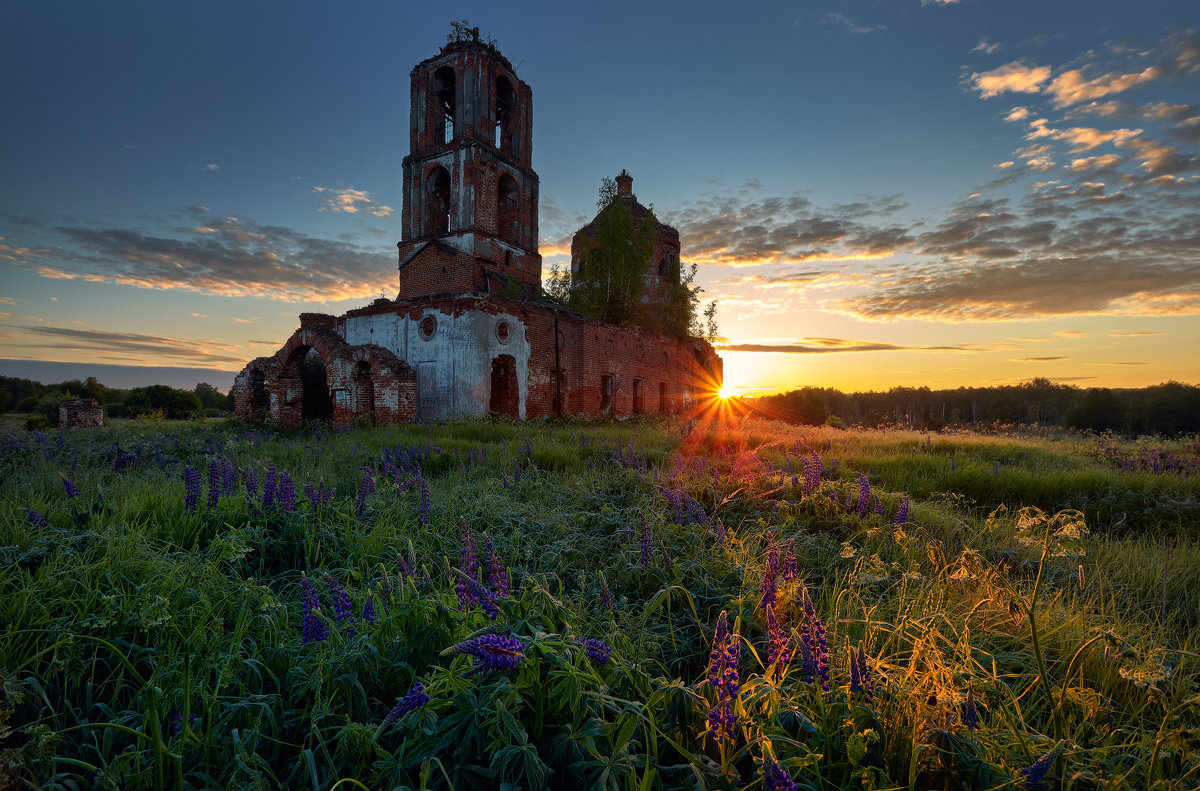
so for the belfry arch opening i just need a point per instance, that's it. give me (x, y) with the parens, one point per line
(445, 89)
(437, 202)
(508, 206)
(505, 110)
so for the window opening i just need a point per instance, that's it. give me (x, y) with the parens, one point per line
(445, 87)
(438, 202)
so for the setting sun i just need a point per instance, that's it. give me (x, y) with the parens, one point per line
(725, 391)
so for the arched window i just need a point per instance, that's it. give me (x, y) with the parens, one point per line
(437, 202)
(506, 106)
(445, 90)
(508, 204)
(662, 266)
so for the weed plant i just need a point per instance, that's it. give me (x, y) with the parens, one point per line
(625, 605)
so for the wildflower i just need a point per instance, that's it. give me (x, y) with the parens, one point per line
(365, 490)
(1036, 773)
(789, 561)
(408, 568)
(214, 482)
(368, 613)
(191, 481)
(775, 777)
(860, 672)
(606, 595)
(343, 608)
(479, 594)
(779, 650)
(287, 494)
(491, 651)
(414, 699)
(864, 494)
(251, 479)
(723, 675)
(668, 563)
(970, 715)
(313, 628)
(71, 489)
(35, 518)
(816, 649)
(468, 564)
(597, 650)
(647, 543)
(497, 573)
(902, 511)
(721, 534)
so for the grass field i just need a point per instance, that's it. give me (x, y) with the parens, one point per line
(581, 605)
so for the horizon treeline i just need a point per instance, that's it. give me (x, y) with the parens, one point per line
(35, 398)
(1167, 408)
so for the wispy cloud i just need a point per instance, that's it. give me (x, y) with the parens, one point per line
(232, 257)
(44, 342)
(851, 25)
(831, 346)
(986, 47)
(350, 201)
(1016, 77)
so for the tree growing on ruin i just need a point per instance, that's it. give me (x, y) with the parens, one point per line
(612, 279)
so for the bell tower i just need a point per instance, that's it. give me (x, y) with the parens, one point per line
(470, 192)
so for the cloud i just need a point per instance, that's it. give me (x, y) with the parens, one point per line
(350, 201)
(51, 341)
(850, 25)
(1037, 359)
(1017, 77)
(986, 47)
(1073, 86)
(832, 345)
(238, 258)
(1133, 334)
(1072, 334)
(212, 166)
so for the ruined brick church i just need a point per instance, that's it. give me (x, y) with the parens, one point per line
(470, 331)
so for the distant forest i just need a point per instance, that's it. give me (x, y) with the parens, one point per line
(41, 401)
(1168, 408)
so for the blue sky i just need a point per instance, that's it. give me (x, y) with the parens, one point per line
(877, 193)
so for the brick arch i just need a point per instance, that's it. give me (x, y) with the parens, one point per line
(382, 387)
(291, 393)
(251, 390)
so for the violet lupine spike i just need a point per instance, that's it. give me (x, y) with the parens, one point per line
(368, 613)
(1035, 774)
(36, 519)
(858, 660)
(414, 699)
(214, 482)
(597, 650)
(647, 557)
(668, 563)
(313, 628)
(191, 482)
(767, 593)
(468, 564)
(605, 594)
(343, 608)
(779, 649)
(251, 479)
(497, 573)
(71, 489)
(491, 651)
(722, 536)
(864, 494)
(970, 714)
(789, 561)
(723, 675)
(902, 511)
(365, 490)
(287, 494)
(775, 777)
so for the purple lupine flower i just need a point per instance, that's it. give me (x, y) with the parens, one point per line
(970, 714)
(491, 651)
(859, 660)
(723, 675)
(365, 490)
(343, 608)
(878, 505)
(775, 777)
(767, 590)
(214, 482)
(864, 494)
(1035, 774)
(772, 553)
(497, 573)
(251, 479)
(228, 476)
(414, 699)
(408, 568)
(606, 595)
(313, 628)
(849, 499)
(35, 518)
(597, 650)
(668, 563)
(468, 564)
(816, 649)
(191, 482)
(268, 492)
(287, 494)
(71, 489)
(368, 613)
(902, 511)
(789, 561)
(779, 649)
(721, 534)
(517, 472)
(647, 543)
(423, 494)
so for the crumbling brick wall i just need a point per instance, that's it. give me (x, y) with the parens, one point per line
(80, 412)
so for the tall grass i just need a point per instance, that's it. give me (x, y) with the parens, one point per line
(146, 644)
